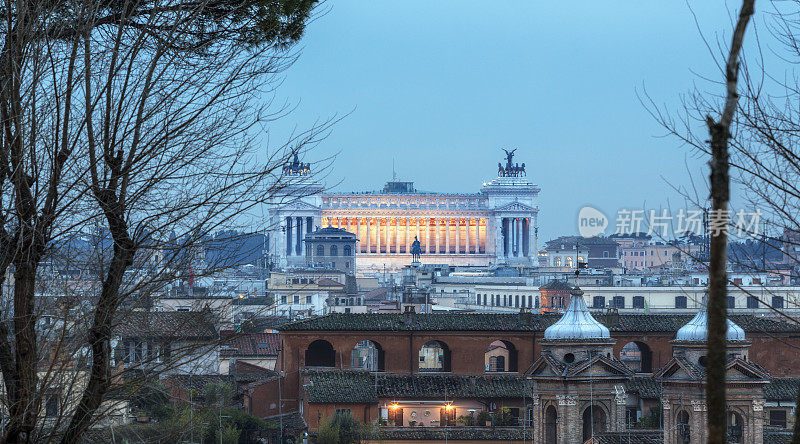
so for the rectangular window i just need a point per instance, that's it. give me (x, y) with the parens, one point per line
(530, 301)
(51, 408)
(752, 302)
(619, 301)
(737, 281)
(484, 299)
(731, 302)
(516, 301)
(777, 302)
(680, 301)
(598, 302)
(283, 299)
(478, 300)
(756, 281)
(777, 418)
(296, 299)
(638, 302)
(308, 299)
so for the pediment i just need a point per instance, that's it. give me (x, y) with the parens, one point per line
(299, 205)
(515, 207)
(545, 366)
(600, 366)
(678, 369)
(740, 369)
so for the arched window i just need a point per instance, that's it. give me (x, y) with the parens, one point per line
(367, 355)
(594, 422)
(434, 356)
(637, 356)
(569, 262)
(320, 250)
(320, 354)
(556, 261)
(550, 424)
(347, 251)
(334, 250)
(501, 356)
(735, 427)
(684, 429)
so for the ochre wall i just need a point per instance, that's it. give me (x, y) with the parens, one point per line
(779, 354)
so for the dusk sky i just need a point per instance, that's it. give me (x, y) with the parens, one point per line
(441, 87)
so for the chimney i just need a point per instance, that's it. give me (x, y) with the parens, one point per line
(524, 316)
(408, 315)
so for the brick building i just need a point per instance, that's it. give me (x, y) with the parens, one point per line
(431, 369)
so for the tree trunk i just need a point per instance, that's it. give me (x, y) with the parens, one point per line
(718, 250)
(101, 330)
(25, 403)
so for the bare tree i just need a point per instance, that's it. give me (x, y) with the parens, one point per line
(717, 147)
(139, 116)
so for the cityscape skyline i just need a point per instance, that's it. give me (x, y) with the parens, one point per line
(441, 116)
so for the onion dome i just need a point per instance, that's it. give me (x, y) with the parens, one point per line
(577, 322)
(697, 328)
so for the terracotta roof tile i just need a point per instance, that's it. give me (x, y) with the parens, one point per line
(517, 322)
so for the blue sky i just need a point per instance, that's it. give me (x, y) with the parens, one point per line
(441, 86)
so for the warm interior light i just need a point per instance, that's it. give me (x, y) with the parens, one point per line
(448, 407)
(393, 406)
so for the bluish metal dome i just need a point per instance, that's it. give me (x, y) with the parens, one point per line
(697, 329)
(577, 322)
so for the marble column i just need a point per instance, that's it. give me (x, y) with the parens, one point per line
(378, 235)
(438, 231)
(506, 235)
(357, 232)
(389, 235)
(369, 235)
(406, 227)
(525, 237)
(458, 235)
(396, 235)
(447, 235)
(288, 236)
(466, 235)
(427, 235)
(299, 247)
(477, 235)
(498, 237)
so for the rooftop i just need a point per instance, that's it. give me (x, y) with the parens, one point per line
(517, 322)
(361, 387)
(251, 344)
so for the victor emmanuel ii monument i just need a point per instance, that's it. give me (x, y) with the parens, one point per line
(498, 224)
